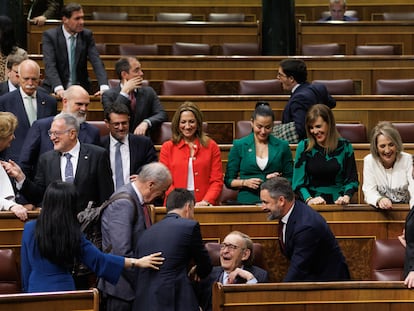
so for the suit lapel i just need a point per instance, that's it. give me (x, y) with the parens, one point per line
(83, 162)
(23, 113)
(132, 156)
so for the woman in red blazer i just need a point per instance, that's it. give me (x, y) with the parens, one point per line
(193, 158)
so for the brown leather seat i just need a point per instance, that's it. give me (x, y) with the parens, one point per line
(184, 48)
(320, 49)
(226, 17)
(395, 87)
(374, 50)
(110, 16)
(244, 128)
(354, 132)
(387, 260)
(9, 274)
(406, 130)
(338, 87)
(174, 17)
(183, 87)
(228, 196)
(398, 16)
(260, 87)
(103, 130)
(138, 49)
(213, 249)
(164, 133)
(244, 49)
(101, 47)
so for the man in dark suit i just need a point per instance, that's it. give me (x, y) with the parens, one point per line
(236, 267)
(123, 223)
(408, 242)
(144, 105)
(87, 166)
(293, 75)
(28, 103)
(305, 238)
(135, 150)
(41, 10)
(66, 50)
(12, 71)
(337, 10)
(178, 238)
(75, 101)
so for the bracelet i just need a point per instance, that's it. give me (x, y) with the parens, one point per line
(242, 182)
(308, 199)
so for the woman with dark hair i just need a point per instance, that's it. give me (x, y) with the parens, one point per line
(192, 157)
(257, 157)
(8, 44)
(325, 169)
(53, 244)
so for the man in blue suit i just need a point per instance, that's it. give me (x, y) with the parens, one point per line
(305, 238)
(75, 101)
(28, 103)
(179, 239)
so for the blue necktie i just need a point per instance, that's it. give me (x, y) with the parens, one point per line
(68, 169)
(119, 171)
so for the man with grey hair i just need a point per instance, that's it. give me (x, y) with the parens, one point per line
(85, 165)
(337, 8)
(122, 224)
(12, 71)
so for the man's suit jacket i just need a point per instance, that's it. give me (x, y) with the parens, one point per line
(55, 58)
(38, 142)
(13, 102)
(148, 106)
(141, 151)
(311, 248)
(48, 8)
(305, 96)
(409, 238)
(122, 224)
(4, 87)
(179, 239)
(93, 177)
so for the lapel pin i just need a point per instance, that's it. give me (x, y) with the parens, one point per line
(86, 157)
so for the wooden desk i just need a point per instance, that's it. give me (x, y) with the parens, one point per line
(321, 296)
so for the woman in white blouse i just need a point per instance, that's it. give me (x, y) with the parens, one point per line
(8, 124)
(388, 171)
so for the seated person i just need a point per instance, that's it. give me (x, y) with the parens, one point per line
(325, 170)
(388, 170)
(257, 157)
(236, 267)
(337, 8)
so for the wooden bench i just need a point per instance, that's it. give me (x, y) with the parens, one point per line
(85, 300)
(321, 296)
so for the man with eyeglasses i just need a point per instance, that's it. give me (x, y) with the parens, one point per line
(127, 152)
(75, 101)
(28, 103)
(146, 110)
(236, 267)
(12, 71)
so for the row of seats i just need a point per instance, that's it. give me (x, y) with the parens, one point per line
(186, 48)
(171, 17)
(324, 49)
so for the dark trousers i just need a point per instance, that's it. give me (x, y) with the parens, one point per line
(111, 303)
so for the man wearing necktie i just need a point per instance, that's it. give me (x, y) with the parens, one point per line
(123, 223)
(309, 244)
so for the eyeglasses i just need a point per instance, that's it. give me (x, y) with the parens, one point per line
(118, 124)
(231, 247)
(57, 133)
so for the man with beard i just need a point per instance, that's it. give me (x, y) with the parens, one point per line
(304, 236)
(75, 101)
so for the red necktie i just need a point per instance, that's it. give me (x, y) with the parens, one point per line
(133, 100)
(280, 231)
(147, 217)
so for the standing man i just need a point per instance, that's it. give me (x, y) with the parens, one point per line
(305, 238)
(293, 75)
(143, 103)
(12, 71)
(66, 50)
(123, 223)
(178, 238)
(84, 165)
(75, 101)
(41, 10)
(127, 152)
(337, 8)
(28, 103)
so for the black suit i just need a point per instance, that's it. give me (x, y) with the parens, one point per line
(4, 87)
(55, 57)
(48, 8)
(148, 106)
(93, 179)
(409, 238)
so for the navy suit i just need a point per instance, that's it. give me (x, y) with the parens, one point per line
(179, 239)
(4, 87)
(409, 238)
(13, 102)
(38, 142)
(55, 58)
(311, 248)
(148, 106)
(93, 177)
(305, 96)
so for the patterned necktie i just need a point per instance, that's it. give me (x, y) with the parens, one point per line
(133, 100)
(119, 171)
(68, 169)
(147, 217)
(281, 239)
(72, 59)
(30, 110)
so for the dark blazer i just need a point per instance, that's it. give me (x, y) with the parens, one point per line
(311, 248)
(409, 238)
(55, 58)
(38, 142)
(141, 151)
(179, 239)
(148, 106)
(13, 102)
(301, 99)
(4, 87)
(93, 177)
(48, 8)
